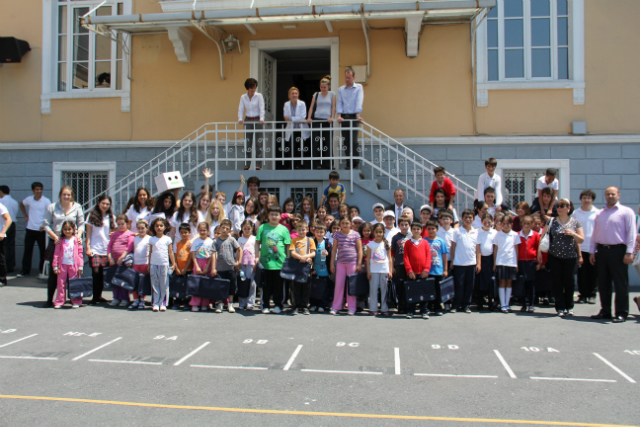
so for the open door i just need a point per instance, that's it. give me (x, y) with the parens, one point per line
(267, 84)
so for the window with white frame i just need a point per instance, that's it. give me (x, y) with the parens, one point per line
(88, 180)
(86, 60)
(528, 40)
(519, 177)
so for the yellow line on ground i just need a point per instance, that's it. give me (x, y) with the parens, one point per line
(308, 413)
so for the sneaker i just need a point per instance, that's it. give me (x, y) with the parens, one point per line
(530, 309)
(156, 308)
(425, 316)
(320, 310)
(124, 303)
(453, 310)
(219, 307)
(409, 315)
(333, 312)
(114, 302)
(312, 308)
(561, 314)
(351, 313)
(75, 306)
(265, 311)
(141, 305)
(249, 308)
(277, 310)
(135, 304)
(467, 309)
(231, 309)
(204, 308)
(570, 313)
(439, 313)
(505, 311)
(163, 308)
(306, 312)
(195, 308)
(294, 311)
(57, 307)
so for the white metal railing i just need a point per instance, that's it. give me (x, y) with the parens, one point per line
(221, 146)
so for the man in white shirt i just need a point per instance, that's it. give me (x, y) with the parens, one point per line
(587, 273)
(549, 180)
(349, 108)
(5, 223)
(10, 241)
(34, 232)
(252, 106)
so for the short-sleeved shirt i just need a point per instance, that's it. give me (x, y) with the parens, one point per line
(397, 247)
(141, 250)
(466, 242)
(160, 250)
(133, 215)
(320, 266)
(226, 253)
(562, 245)
(182, 254)
(506, 243)
(299, 244)
(347, 247)
(486, 240)
(248, 246)
(273, 241)
(100, 236)
(339, 190)
(446, 235)
(438, 249)
(202, 248)
(379, 262)
(37, 211)
(542, 184)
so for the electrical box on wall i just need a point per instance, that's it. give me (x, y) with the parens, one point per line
(169, 181)
(361, 73)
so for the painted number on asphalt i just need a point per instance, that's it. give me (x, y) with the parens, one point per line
(79, 334)
(633, 352)
(450, 347)
(8, 331)
(351, 344)
(249, 341)
(162, 337)
(537, 350)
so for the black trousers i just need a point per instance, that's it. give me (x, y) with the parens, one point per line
(321, 143)
(98, 283)
(300, 294)
(399, 277)
(52, 285)
(350, 137)
(587, 278)
(435, 305)
(463, 277)
(562, 276)
(10, 248)
(3, 266)
(32, 237)
(611, 267)
(273, 288)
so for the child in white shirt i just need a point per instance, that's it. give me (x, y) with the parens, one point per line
(505, 256)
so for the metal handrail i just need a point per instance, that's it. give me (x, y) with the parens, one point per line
(216, 145)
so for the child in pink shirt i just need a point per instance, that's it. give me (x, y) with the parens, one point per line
(120, 245)
(67, 263)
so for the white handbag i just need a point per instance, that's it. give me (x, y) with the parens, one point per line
(545, 242)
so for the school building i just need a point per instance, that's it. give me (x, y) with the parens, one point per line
(113, 93)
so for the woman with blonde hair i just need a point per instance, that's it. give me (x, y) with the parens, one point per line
(321, 114)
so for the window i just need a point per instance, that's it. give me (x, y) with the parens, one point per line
(88, 180)
(299, 193)
(275, 191)
(528, 39)
(520, 185)
(86, 60)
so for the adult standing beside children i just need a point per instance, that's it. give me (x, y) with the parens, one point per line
(612, 243)
(565, 234)
(587, 273)
(37, 205)
(321, 113)
(65, 209)
(349, 108)
(10, 240)
(252, 106)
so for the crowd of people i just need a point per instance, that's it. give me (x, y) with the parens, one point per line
(492, 255)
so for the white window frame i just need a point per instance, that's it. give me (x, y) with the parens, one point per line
(50, 63)
(576, 61)
(59, 167)
(562, 165)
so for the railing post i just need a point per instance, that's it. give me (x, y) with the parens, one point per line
(215, 164)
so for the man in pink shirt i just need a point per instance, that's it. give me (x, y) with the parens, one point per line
(612, 242)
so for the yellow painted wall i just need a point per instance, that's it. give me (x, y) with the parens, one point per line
(430, 95)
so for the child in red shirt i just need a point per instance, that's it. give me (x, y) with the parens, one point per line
(446, 184)
(417, 262)
(527, 260)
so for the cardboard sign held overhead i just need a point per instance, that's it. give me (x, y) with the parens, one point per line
(169, 181)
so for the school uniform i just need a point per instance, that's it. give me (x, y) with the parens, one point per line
(506, 262)
(417, 260)
(464, 265)
(527, 262)
(485, 282)
(397, 251)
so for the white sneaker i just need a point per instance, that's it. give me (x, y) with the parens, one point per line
(163, 308)
(75, 306)
(124, 303)
(219, 307)
(320, 310)
(195, 308)
(114, 302)
(204, 308)
(135, 304)
(265, 311)
(230, 308)
(57, 307)
(312, 308)
(156, 308)
(277, 310)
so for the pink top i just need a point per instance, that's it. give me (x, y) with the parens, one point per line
(614, 226)
(347, 247)
(120, 242)
(78, 260)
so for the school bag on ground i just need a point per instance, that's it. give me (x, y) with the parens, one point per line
(80, 287)
(358, 285)
(446, 290)
(420, 290)
(177, 286)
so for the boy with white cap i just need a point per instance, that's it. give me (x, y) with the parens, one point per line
(378, 210)
(390, 228)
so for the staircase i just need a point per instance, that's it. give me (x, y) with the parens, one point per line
(385, 163)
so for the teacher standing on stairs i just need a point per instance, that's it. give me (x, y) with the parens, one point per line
(252, 106)
(349, 108)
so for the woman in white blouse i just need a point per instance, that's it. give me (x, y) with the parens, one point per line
(321, 114)
(295, 114)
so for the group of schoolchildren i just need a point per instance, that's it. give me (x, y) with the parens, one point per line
(251, 240)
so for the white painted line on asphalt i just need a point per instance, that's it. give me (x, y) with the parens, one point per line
(191, 354)
(454, 375)
(505, 364)
(615, 368)
(292, 358)
(573, 379)
(396, 353)
(341, 372)
(95, 349)
(249, 368)
(13, 342)
(135, 362)
(28, 357)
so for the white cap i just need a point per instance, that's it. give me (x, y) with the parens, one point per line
(357, 218)
(388, 213)
(423, 207)
(378, 205)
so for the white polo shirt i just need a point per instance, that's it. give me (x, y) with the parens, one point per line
(466, 241)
